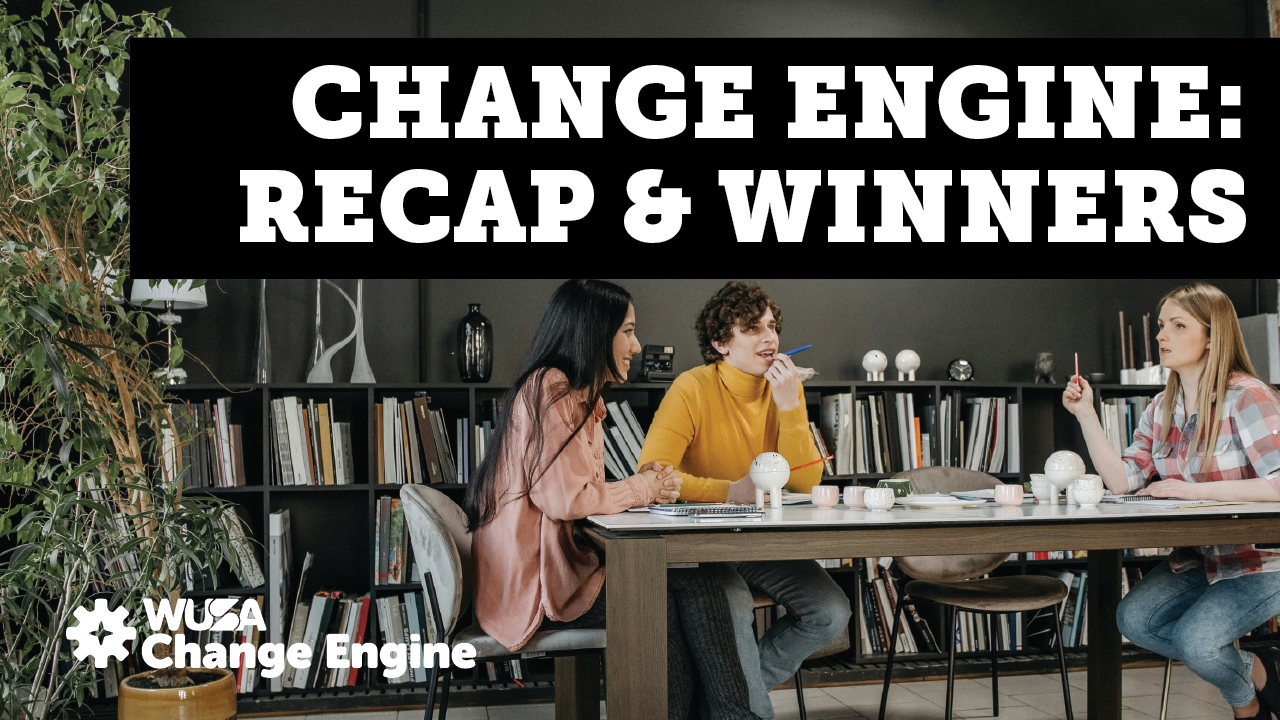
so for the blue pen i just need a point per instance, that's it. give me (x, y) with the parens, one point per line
(802, 348)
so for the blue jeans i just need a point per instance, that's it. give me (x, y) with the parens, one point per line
(817, 612)
(1182, 616)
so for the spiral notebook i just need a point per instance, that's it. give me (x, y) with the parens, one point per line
(707, 510)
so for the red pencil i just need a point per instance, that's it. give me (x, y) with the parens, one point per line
(814, 462)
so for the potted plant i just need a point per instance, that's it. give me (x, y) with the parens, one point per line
(89, 510)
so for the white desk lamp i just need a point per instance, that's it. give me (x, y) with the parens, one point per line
(174, 298)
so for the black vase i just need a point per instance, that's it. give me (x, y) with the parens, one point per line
(475, 346)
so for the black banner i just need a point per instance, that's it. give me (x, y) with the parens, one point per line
(394, 157)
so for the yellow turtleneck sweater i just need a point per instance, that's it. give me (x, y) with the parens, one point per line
(715, 420)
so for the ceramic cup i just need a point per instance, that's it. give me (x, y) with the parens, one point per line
(853, 496)
(900, 487)
(1087, 490)
(1009, 495)
(825, 496)
(878, 499)
(1042, 489)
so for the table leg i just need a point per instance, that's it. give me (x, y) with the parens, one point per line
(1104, 637)
(636, 628)
(578, 687)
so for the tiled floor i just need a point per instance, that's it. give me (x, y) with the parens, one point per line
(1022, 697)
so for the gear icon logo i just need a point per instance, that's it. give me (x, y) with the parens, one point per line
(110, 646)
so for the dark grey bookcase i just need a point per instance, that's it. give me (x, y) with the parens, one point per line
(336, 523)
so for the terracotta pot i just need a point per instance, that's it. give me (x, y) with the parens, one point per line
(208, 701)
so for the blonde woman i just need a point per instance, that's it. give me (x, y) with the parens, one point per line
(1212, 434)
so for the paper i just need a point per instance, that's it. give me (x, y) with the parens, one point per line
(1174, 503)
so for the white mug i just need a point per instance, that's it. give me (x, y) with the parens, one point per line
(825, 496)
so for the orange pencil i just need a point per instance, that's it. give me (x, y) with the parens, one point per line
(814, 462)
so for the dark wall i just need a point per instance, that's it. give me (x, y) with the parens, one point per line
(998, 325)
(716, 18)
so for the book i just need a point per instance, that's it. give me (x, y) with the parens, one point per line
(326, 444)
(279, 554)
(315, 614)
(426, 438)
(636, 430)
(362, 622)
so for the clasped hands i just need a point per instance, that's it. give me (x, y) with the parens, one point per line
(663, 482)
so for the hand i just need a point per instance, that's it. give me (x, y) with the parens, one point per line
(663, 484)
(1078, 398)
(1178, 489)
(743, 491)
(785, 381)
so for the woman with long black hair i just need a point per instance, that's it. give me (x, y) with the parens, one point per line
(544, 469)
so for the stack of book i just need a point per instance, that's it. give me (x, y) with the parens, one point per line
(248, 569)
(623, 438)
(323, 614)
(877, 433)
(414, 447)
(399, 619)
(988, 440)
(122, 569)
(1080, 554)
(308, 446)
(1120, 417)
(214, 454)
(973, 634)
(504, 670)
(392, 548)
(484, 430)
(247, 677)
(878, 597)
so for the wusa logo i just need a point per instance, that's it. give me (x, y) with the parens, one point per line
(339, 652)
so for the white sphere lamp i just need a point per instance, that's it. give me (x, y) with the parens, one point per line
(1061, 470)
(907, 363)
(769, 471)
(874, 363)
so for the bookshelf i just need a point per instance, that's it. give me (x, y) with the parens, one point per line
(336, 522)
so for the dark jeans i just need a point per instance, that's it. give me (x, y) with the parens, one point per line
(704, 674)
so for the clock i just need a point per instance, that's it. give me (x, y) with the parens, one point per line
(960, 369)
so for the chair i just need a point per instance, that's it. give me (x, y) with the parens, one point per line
(839, 645)
(442, 546)
(949, 581)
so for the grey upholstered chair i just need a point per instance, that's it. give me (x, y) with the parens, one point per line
(442, 546)
(949, 581)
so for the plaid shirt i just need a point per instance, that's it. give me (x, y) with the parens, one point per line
(1247, 446)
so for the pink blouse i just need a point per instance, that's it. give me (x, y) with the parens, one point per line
(527, 564)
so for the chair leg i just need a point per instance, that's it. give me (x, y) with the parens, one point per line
(888, 666)
(447, 674)
(951, 660)
(800, 696)
(1062, 662)
(995, 678)
(1164, 695)
(431, 692)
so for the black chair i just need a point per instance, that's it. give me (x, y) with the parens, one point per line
(956, 583)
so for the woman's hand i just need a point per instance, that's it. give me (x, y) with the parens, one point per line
(785, 381)
(1178, 489)
(663, 483)
(1078, 398)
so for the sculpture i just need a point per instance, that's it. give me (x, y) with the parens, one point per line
(874, 363)
(907, 363)
(1044, 368)
(320, 371)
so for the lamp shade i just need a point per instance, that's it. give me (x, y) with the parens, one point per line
(184, 298)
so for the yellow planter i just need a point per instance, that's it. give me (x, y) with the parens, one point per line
(208, 701)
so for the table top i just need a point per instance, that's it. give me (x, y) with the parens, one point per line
(799, 517)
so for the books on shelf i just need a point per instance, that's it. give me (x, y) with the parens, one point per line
(122, 569)
(623, 437)
(309, 446)
(881, 432)
(213, 452)
(328, 612)
(402, 618)
(1120, 418)
(392, 548)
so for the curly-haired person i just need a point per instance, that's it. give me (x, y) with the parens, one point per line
(715, 419)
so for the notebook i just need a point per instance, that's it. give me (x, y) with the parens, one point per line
(697, 510)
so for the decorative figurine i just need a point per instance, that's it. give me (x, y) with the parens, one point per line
(874, 363)
(907, 363)
(1044, 368)
(769, 472)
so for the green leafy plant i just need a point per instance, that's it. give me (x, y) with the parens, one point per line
(89, 511)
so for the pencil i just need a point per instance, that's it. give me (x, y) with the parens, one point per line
(812, 462)
(1078, 371)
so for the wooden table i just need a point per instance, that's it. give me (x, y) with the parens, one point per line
(639, 547)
